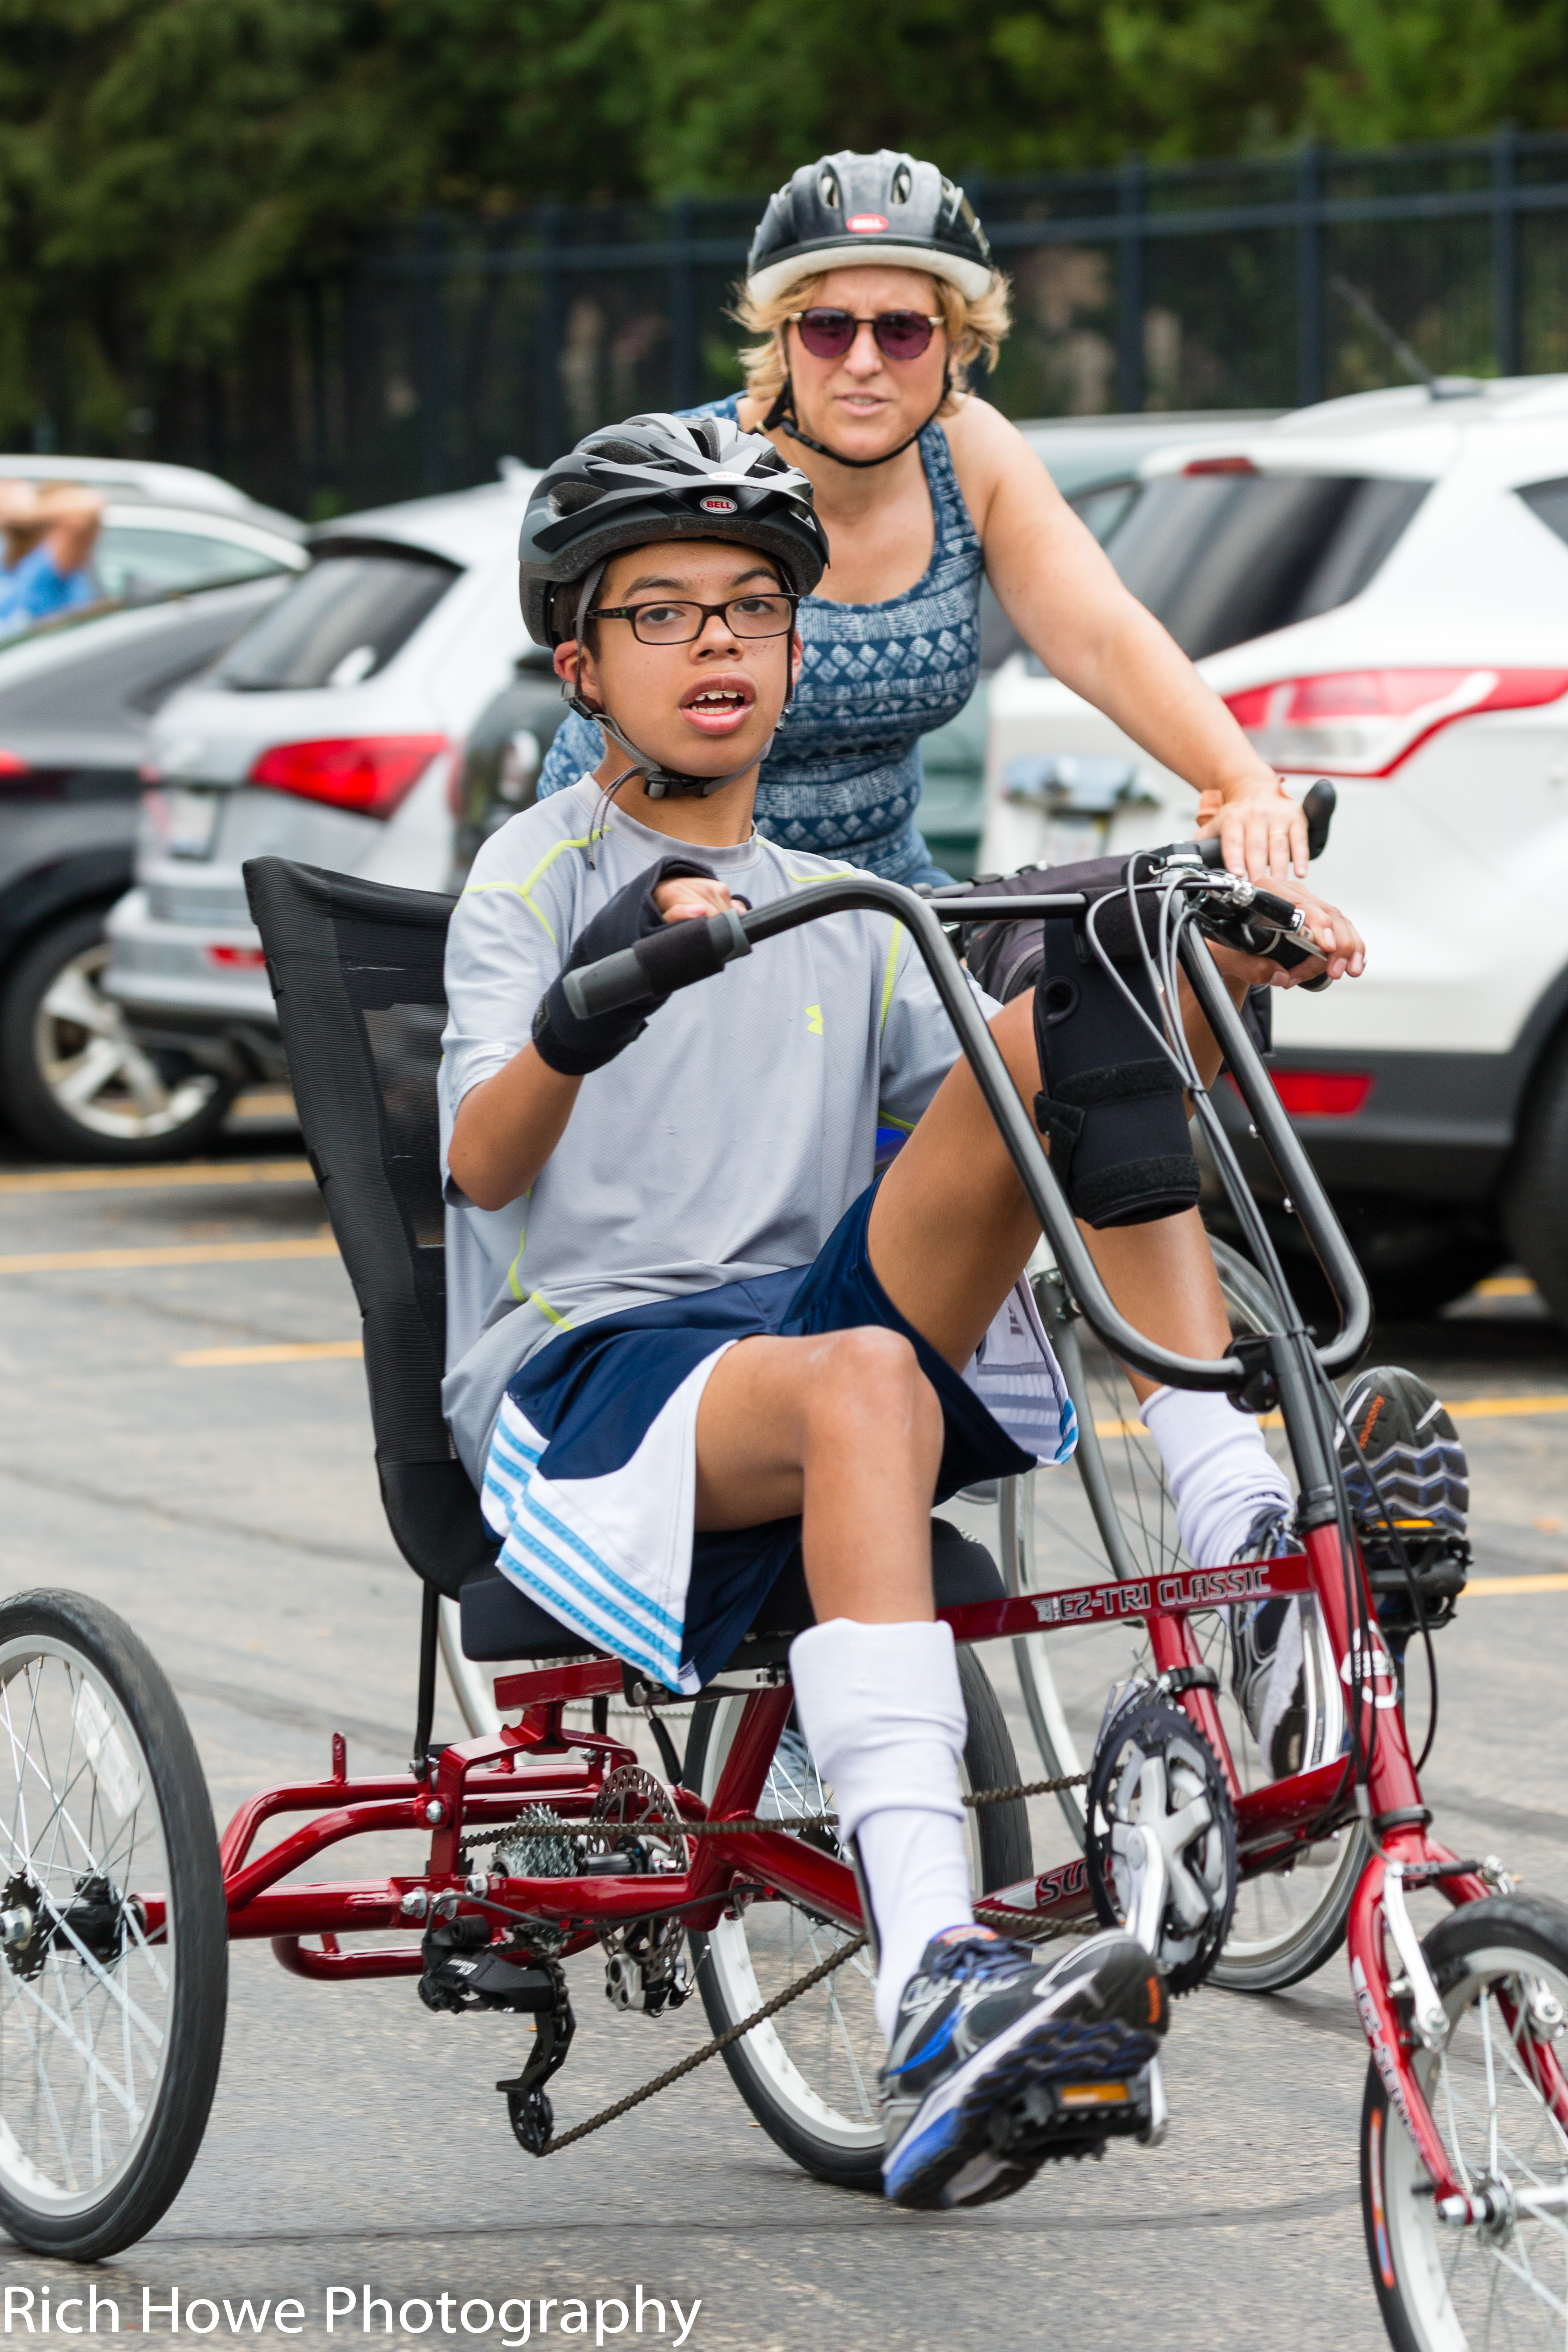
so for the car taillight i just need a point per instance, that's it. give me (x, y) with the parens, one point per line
(1318, 1094)
(10, 765)
(1219, 465)
(1322, 1094)
(367, 773)
(238, 958)
(1363, 722)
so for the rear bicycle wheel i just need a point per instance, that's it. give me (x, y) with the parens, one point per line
(809, 2075)
(1288, 1922)
(115, 1966)
(1502, 1968)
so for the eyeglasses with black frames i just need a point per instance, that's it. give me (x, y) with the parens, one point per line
(675, 621)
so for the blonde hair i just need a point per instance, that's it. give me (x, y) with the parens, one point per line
(976, 329)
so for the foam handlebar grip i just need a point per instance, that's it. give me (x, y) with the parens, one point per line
(1317, 808)
(676, 957)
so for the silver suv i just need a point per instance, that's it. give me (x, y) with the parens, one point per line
(329, 734)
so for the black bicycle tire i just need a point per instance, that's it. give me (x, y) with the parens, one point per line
(174, 2135)
(1002, 1834)
(1540, 1925)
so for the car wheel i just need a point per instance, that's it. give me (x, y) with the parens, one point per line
(1535, 1200)
(73, 1081)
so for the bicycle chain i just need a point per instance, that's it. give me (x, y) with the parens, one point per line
(722, 2042)
(551, 1826)
(708, 2050)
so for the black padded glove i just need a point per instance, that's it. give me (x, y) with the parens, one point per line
(573, 1047)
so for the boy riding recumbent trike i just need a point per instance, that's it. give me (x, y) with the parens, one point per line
(549, 1836)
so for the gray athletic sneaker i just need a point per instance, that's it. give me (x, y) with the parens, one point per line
(1267, 1674)
(1001, 2058)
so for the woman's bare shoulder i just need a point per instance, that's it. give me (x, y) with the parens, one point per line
(988, 450)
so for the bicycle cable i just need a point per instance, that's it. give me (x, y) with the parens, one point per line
(1163, 968)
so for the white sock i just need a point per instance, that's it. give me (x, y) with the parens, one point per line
(1217, 1468)
(883, 1715)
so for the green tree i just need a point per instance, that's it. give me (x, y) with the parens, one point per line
(164, 164)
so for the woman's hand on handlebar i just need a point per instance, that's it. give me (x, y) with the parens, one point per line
(1327, 923)
(1262, 831)
(681, 900)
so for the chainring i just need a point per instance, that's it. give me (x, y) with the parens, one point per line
(1154, 1771)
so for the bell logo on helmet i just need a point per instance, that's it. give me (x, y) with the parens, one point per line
(866, 223)
(721, 506)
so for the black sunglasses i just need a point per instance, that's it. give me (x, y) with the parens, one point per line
(899, 334)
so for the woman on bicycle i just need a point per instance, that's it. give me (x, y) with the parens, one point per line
(871, 292)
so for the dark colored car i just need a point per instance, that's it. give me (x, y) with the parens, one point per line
(76, 701)
(506, 749)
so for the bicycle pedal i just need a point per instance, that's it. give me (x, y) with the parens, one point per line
(1068, 2120)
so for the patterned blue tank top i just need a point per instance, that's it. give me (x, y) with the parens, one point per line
(843, 779)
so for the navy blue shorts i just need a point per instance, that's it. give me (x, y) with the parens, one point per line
(592, 1407)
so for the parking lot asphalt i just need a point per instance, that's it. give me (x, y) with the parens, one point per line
(186, 1435)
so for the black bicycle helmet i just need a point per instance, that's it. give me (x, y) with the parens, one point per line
(847, 209)
(660, 476)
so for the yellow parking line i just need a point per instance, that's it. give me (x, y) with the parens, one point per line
(1482, 1588)
(1505, 1408)
(282, 1351)
(1466, 1409)
(174, 1254)
(157, 1180)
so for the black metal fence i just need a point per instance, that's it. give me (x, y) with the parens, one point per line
(457, 342)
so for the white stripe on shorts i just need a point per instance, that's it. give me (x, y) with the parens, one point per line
(610, 1557)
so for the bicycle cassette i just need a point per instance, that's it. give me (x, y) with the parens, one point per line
(1161, 1841)
(637, 1820)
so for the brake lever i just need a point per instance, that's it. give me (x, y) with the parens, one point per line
(1269, 926)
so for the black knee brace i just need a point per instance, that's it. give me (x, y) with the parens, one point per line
(1110, 1100)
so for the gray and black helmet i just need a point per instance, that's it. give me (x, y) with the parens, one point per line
(660, 476)
(846, 210)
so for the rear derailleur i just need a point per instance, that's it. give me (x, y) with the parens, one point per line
(464, 1971)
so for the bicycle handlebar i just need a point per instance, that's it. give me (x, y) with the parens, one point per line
(658, 965)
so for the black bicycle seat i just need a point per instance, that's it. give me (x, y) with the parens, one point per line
(501, 1622)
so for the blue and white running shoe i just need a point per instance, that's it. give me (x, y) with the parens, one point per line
(1002, 2058)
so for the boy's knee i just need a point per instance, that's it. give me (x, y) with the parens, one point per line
(873, 1372)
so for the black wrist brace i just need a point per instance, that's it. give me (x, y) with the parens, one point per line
(572, 1046)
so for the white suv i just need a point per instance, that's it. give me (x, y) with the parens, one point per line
(1378, 587)
(327, 734)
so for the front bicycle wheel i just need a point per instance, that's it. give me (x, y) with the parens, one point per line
(113, 1933)
(809, 2075)
(1288, 1922)
(1502, 1968)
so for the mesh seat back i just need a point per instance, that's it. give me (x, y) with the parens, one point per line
(356, 972)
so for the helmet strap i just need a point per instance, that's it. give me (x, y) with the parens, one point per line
(660, 783)
(780, 418)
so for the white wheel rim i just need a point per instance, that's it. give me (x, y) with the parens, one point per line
(95, 1071)
(821, 2056)
(84, 2042)
(1465, 2289)
(1067, 1673)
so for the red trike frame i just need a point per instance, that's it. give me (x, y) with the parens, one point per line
(479, 1784)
